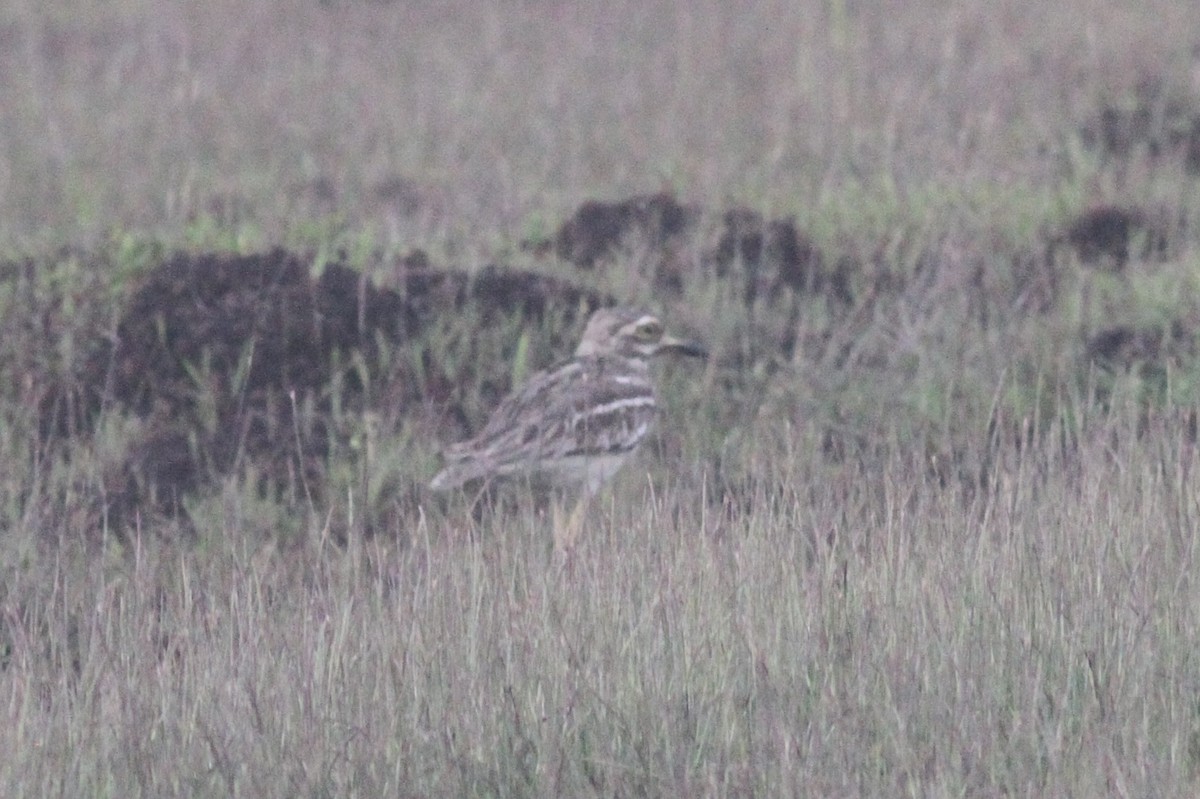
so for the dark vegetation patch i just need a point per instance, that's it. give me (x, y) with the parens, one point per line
(267, 365)
(251, 362)
(796, 296)
(770, 254)
(1153, 119)
(1148, 349)
(1109, 236)
(598, 229)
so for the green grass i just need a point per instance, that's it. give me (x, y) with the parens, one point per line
(932, 551)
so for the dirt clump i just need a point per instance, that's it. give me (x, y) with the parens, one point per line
(688, 242)
(1124, 347)
(254, 364)
(242, 325)
(1109, 236)
(771, 253)
(597, 230)
(1153, 119)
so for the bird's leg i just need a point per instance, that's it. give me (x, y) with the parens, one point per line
(566, 531)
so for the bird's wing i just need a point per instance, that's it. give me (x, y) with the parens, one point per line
(533, 398)
(577, 409)
(614, 418)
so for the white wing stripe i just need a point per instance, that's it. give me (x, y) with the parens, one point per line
(643, 401)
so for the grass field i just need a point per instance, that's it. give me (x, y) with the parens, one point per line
(924, 524)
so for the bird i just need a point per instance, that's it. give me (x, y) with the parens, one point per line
(574, 425)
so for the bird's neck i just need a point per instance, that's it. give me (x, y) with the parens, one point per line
(622, 363)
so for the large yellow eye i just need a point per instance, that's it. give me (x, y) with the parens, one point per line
(649, 330)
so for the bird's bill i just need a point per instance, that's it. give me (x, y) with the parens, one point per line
(682, 347)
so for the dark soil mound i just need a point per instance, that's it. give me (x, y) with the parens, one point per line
(1152, 120)
(1110, 236)
(771, 253)
(768, 255)
(599, 229)
(1123, 347)
(247, 325)
(237, 362)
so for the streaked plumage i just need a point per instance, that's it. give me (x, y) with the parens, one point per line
(575, 424)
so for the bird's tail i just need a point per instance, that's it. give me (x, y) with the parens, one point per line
(448, 478)
(457, 472)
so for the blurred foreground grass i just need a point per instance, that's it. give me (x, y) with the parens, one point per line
(838, 630)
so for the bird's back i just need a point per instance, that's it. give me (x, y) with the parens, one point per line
(573, 424)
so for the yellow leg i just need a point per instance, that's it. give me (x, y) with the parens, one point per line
(566, 531)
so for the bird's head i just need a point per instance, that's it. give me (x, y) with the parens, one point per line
(631, 333)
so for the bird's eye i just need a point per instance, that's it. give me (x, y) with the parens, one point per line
(649, 331)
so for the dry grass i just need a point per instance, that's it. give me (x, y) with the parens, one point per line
(937, 580)
(842, 631)
(467, 121)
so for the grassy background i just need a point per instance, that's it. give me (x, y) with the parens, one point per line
(489, 120)
(933, 551)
